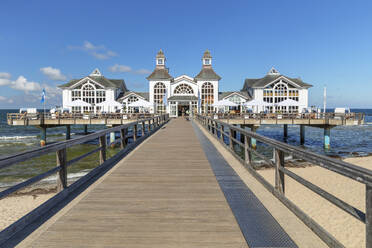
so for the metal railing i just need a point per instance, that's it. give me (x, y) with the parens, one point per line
(219, 130)
(62, 164)
(291, 116)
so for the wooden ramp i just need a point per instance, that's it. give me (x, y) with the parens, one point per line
(163, 195)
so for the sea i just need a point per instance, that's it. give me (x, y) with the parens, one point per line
(346, 141)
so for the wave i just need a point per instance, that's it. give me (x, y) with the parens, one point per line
(17, 137)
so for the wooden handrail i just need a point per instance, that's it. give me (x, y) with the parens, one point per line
(61, 153)
(351, 171)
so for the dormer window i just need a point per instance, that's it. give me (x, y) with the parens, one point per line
(207, 61)
(160, 62)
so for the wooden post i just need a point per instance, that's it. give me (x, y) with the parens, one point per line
(242, 139)
(143, 129)
(285, 130)
(123, 134)
(231, 140)
(85, 129)
(43, 136)
(221, 132)
(247, 153)
(68, 132)
(368, 216)
(102, 153)
(62, 174)
(279, 175)
(302, 134)
(135, 130)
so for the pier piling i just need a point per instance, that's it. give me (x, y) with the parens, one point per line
(42, 136)
(285, 130)
(302, 134)
(112, 139)
(327, 140)
(68, 132)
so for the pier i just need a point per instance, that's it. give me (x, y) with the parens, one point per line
(180, 183)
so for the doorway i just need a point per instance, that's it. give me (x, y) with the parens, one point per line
(183, 110)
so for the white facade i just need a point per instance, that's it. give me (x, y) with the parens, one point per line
(92, 90)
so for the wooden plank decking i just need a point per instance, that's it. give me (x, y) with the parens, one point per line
(164, 195)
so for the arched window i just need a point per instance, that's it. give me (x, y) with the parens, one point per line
(280, 92)
(207, 98)
(159, 91)
(88, 93)
(183, 89)
(132, 99)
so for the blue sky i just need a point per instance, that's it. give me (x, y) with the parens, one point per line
(46, 43)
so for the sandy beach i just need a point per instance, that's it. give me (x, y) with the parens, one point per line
(344, 227)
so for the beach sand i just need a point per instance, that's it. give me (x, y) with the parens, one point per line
(17, 205)
(344, 227)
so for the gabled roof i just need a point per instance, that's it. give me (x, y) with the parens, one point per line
(105, 82)
(244, 94)
(262, 82)
(160, 73)
(207, 73)
(144, 95)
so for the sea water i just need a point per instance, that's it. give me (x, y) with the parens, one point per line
(346, 141)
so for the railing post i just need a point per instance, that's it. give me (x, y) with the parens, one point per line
(102, 152)
(279, 175)
(221, 132)
(247, 152)
(368, 216)
(123, 134)
(62, 174)
(231, 140)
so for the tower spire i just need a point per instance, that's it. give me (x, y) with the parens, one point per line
(207, 59)
(160, 59)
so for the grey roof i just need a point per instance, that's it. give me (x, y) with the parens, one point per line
(222, 95)
(182, 98)
(262, 82)
(160, 73)
(145, 95)
(207, 73)
(105, 82)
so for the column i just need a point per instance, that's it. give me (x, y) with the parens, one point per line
(68, 132)
(43, 136)
(302, 134)
(253, 141)
(327, 135)
(112, 139)
(285, 130)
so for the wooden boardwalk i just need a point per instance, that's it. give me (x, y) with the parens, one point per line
(163, 195)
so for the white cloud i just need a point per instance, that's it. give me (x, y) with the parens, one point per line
(124, 68)
(99, 52)
(4, 81)
(120, 68)
(10, 101)
(5, 75)
(3, 98)
(142, 71)
(22, 84)
(53, 73)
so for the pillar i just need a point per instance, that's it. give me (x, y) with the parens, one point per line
(112, 139)
(68, 132)
(85, 129)
(302, 134)
(285, 130)
(327, 140)
(253, 141)
(43, 136)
